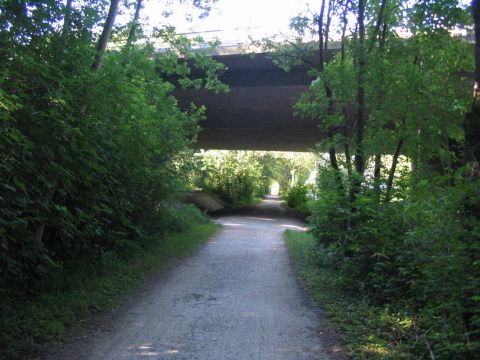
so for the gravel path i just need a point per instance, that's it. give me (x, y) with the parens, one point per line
(236, 298)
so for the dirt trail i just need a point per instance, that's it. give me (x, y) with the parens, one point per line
(236, 298)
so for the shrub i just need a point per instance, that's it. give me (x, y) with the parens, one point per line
(417, 255)
(232, 175)
(296, 197)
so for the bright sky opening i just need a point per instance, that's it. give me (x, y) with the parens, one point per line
(231, 21)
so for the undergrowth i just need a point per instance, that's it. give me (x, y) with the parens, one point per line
(369, 332)
(297, 198)
(87, 290)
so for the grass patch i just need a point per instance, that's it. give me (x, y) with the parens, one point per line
(46, 318)
(368, 332)
(256, 200)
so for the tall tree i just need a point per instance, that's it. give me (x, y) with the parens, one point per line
(472, 119)
(323, 34)
(67, 19)
(105, 35)
(135, 24)
(360, 115)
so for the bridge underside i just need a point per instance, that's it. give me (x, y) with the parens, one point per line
(256, 114)
(258, 139)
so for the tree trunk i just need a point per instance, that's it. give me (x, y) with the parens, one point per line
(359, 160)
(360, 125)
(378, 24)
(105, 36)
(322, 49)
(391, 173)
(348, 159)
(67, 20)
(321, 58)
(133, 28)
(344, 30)
(376, 175)
(472, 119)
(327, 28)
(346, 132)
(380, 97)
(334, 163)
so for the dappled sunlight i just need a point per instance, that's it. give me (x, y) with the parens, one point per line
(241, 177)
(148, 350)
(336, 349)
(149, 353)
(376, 350)
(171, 352)
(293, 227)
(277, 248)
(259, 218)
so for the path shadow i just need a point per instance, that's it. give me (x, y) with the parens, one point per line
(271, 206)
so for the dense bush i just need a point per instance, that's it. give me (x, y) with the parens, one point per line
(297, 197)
(232, 175)
(239, 177)
(88, 158)
(417, 255)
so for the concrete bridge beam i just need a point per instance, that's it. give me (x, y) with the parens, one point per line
(257, 113)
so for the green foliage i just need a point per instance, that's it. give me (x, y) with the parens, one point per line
(416, 255)
(281, 166)
(89, 160)
(368, 331)
(232, 175)
(297, 197)
(240, 176)
(84, 289)
(180, 218)
(396, 217)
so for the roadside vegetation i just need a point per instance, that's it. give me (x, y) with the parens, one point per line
(368, 331)
(84, 288)
(234, 176)
(92, 153)
(393, 248)
(299, 197)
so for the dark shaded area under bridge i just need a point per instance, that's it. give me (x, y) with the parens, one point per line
(257, 113)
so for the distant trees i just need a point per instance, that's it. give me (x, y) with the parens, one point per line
(238, 177)
(232, 175)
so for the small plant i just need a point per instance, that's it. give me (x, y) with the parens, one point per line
(297, 197)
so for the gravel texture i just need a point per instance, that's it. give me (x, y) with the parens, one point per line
(238, 297)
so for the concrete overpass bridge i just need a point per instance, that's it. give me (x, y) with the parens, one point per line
(257, 113)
